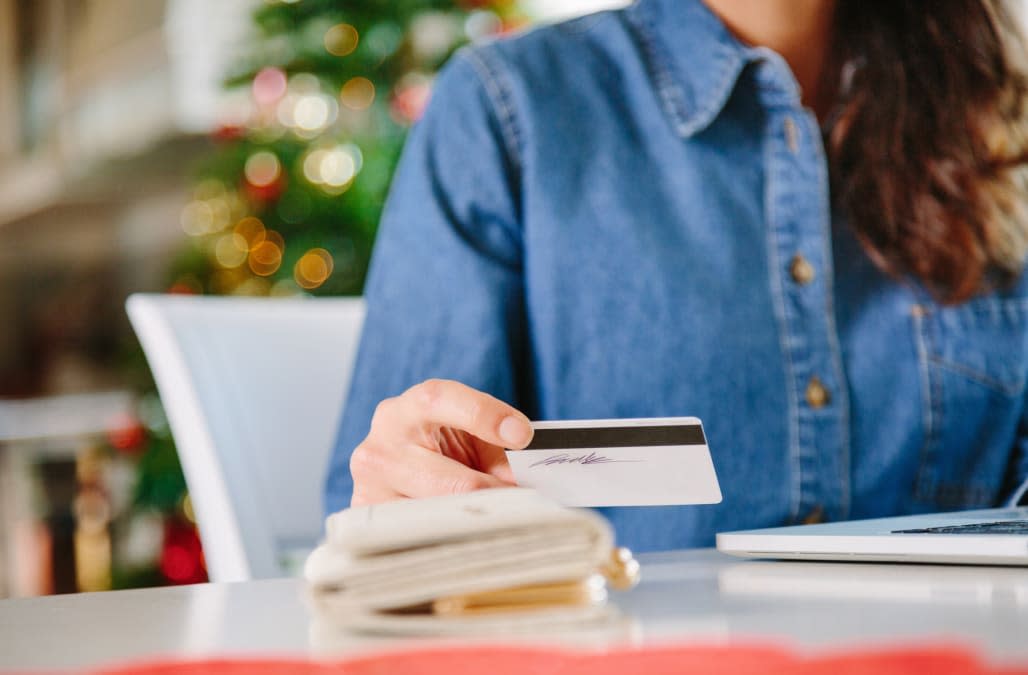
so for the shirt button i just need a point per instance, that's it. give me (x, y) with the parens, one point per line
(792, 135)
(817, 394)
(801, 270)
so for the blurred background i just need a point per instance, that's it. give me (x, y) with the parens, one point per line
(237, 147)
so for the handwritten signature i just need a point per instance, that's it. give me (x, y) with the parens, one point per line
(591, 458)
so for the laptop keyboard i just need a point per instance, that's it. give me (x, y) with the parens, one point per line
(1001, 527)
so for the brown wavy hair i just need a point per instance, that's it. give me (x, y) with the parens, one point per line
(929, 145)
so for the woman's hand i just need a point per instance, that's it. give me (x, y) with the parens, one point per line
(438, 437)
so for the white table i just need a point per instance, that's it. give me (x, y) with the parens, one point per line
(698, 596)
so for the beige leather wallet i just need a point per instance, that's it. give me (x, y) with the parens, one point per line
(498, 560)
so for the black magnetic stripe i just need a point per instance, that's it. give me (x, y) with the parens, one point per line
(616, 437)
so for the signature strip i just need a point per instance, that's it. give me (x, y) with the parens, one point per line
(616, 437)
(585, 460)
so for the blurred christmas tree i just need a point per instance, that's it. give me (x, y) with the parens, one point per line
(289, 201)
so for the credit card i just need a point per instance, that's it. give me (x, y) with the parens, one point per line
(619, 462)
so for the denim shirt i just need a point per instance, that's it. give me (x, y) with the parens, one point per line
(628, 215)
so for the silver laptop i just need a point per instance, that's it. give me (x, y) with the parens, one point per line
(982, 537)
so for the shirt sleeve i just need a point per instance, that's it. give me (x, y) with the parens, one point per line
(444, 292)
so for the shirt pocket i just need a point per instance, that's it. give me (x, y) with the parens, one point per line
(974, 362)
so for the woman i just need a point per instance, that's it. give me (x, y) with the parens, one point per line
(801, 221)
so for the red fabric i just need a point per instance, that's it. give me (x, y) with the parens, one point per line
(625, 661)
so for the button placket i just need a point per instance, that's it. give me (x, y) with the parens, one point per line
(799, 199)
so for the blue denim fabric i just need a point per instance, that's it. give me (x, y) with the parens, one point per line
(598, 219)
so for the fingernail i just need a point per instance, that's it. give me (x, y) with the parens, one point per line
(514, 432)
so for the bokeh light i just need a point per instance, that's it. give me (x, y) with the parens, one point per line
(265, 258)
(358, 93)
(410, 97)
(433, 34)
(334, 168)
(284, 288)
(275, 238)
(312, 165)
(313, 268)
(337, 168)
(251, 230)
(482, 23)
(209, 209)
(221, 213)
(262, 168)
(314, 112)
(305, 108)
(197, 218)
(284, 110)
(382, 39)
(269, 86)
(341, 39)
(225, 281)
(230, 250)
(254, 286)
(209, 189)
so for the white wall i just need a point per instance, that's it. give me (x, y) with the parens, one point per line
(560, 9)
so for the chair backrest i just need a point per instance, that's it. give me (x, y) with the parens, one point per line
(253, 389)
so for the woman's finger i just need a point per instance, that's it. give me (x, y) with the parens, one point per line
(445, 403)
(420, 472)
(493, 461)
(363, 495)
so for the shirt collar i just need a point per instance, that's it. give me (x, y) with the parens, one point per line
(695, 61)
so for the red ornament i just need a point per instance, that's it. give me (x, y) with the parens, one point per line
(126, 434)
(187, 284)
(181, 554)
(228, 132)
(409, 101)
(263, 194)
(182, 288)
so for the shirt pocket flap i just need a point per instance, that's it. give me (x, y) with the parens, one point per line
(985, 340)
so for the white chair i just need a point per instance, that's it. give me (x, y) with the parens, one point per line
(253, 389)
